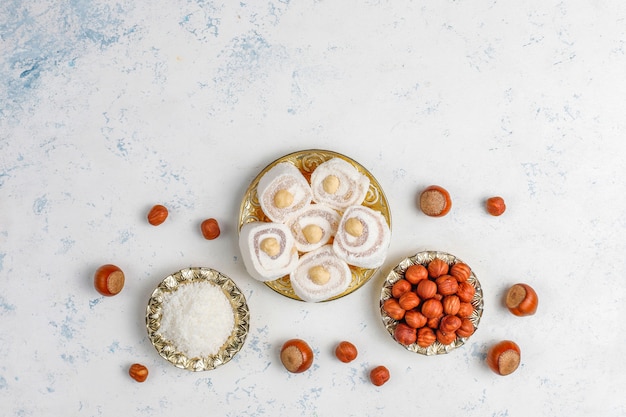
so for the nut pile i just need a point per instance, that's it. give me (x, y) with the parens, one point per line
(432, 302)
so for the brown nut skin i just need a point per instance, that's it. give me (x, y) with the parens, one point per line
(449, 323)
(379, 375)
(426, 289)
(432, 308)
(465, 310)
(522, 300)
(109, 280)
(409, 300)
(437, 267)
(466, 329)
(391, 306)
(405, 334)
(425, 337)
(138, 372)
(465, 292)
(445, 338)
(435, 201)
(157, 215)
(415, 273)
(504, 357)
(451, 304)
(346, 352)
(495, 206)
(415, 319)
(460, 271)
(400, 287)
(447, 285)
(296, 355)
(210, 229)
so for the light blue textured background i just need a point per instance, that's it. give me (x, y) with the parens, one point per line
(109, 107)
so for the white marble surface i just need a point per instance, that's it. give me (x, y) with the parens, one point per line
(107, 108)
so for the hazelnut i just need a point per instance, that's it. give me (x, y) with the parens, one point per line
(319, 275)
(346, 352)
(210, 229)
(425, 337)
(138, 372)
(465, 292)
(449, 324)
(405, 334)
(495, 206)
(426, 289)
(433, 322)
(296, 355)
(379, 375)
(460, 271)
(109, 280)
(157, 215)
(438, 267)
(432, 308)
(270, 246)
(447, 285)
(312, 233)
(400, 287)
(415, 273)
(283, 199)
(504, 357)
(445, 338)
(435, 201)
(409, 300)
(466, 329)
(415, 319)
(522, 300)
(330, 184)
(393, 309)
(465, 310)
(354, 227)
(451, 304)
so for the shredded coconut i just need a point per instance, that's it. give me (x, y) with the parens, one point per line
(198, 318)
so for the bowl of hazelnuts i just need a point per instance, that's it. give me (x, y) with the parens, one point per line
(431, 302)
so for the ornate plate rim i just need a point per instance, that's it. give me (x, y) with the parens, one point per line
(396, 273)
(167, 348)
(375, 197)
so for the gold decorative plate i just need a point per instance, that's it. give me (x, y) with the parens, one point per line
(397, 273)
(306, 161)
(167, 348)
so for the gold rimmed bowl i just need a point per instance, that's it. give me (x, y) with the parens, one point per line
(168, 349)
(306, 161)
(398, 273)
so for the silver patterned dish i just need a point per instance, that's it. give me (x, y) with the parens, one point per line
(397, 273)
(306, 161)
(167, 348)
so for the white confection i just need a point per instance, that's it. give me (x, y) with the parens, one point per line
(315, 214)
(258, 263)
(368, 250)
(352, 185)
(340, 275)
(283, 176)
(197, 318)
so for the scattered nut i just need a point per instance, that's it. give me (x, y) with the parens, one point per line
(495, 206)
(210, 229)
(346, 352)
(296, 355)
(157, 215)
(504, 357)
(379, 375)
(109, 280)
(138, 372)
(522, 300)
(435, 201)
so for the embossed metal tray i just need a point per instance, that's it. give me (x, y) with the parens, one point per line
(167, 348)
(306, 161)
(397, 273)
